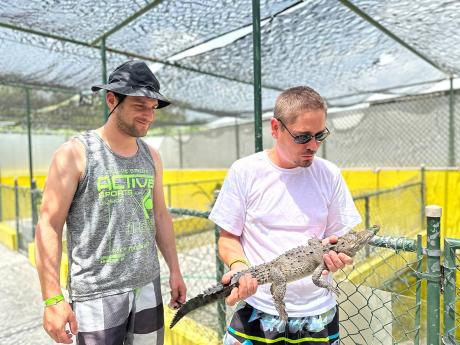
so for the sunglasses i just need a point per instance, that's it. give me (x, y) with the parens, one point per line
(305, 138)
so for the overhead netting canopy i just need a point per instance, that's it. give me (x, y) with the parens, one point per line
(202, 50)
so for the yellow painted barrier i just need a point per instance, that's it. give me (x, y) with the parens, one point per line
(188, 332)
(8, 237)
(442, 188)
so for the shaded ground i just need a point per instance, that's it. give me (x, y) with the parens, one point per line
(20, 302)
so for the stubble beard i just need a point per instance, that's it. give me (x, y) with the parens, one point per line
(129, 129)
(304, 164)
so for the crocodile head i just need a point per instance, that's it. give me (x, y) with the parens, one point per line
(352, 242)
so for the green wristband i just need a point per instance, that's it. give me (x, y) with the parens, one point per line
(53, 300)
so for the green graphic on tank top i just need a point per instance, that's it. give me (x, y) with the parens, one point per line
(122, 184)
(147, 204)
(134, 192)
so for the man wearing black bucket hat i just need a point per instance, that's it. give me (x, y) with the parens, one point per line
(106, 185)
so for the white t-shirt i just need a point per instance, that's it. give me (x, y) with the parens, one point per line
(274, 209)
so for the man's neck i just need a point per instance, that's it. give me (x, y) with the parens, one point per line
(274, 156)
(118, 141)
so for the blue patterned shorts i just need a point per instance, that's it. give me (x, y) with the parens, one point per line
(251, 326)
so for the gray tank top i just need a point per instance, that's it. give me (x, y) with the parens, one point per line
(110, 225)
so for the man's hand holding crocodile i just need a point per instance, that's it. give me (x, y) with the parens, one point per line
(247, 285)
(297, 263)
(333, 260)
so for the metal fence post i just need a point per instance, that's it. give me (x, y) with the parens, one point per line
(16, 209)
(418, 289)
(169, 195)
(422, 196)
(221, 308)
(366, 220)
(433, 263)
(450, 283)
(33, 199)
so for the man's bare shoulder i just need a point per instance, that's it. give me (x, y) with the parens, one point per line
(154, 153)
(71, 156)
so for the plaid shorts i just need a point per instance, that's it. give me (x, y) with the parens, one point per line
(250, 326)
(130, 318)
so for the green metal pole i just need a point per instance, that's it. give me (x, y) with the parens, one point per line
(366, 220)
(450, 283)
(31, 171)
(104, 78)
(181, 152)
(422, 196)
(169, 196)
(257, 75)
(237, 138)
(16, 211)
(418, 289)
(221, 309)
(451, 125)
(433, 263)
(33, 195)
(29, 134)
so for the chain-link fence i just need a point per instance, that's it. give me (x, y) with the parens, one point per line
(17, 212)
(383, 300)
(406, 131)
(451, 291)
(196, 239)
(400, 209)
(384, 297)
(380, 304)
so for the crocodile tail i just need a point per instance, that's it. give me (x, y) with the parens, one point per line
(209, 296)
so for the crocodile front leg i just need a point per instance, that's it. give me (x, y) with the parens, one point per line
(317, 278)
(278, 290)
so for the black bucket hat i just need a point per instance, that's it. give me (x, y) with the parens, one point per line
(134, 78)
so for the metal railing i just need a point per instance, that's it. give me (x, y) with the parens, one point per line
(196, 194)
(19, 210)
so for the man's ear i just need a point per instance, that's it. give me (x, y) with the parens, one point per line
(275, 125)
(111, 100)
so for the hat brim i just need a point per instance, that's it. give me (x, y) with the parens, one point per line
(130, 91)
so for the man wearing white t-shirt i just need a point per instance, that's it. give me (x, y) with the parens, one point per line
(276, 200)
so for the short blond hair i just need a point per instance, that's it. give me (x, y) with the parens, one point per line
(291, 102)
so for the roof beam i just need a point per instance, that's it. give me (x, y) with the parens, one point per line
(384, 90)
(38, 86)
(43, 34)
(222, 36)
(132, 55)
(383, 29)
(128, 20)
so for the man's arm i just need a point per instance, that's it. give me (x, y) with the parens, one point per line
(62, 180)
(230, 249)
(165, 236)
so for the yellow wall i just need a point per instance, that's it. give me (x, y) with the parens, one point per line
(199, 195)
(442, 188)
